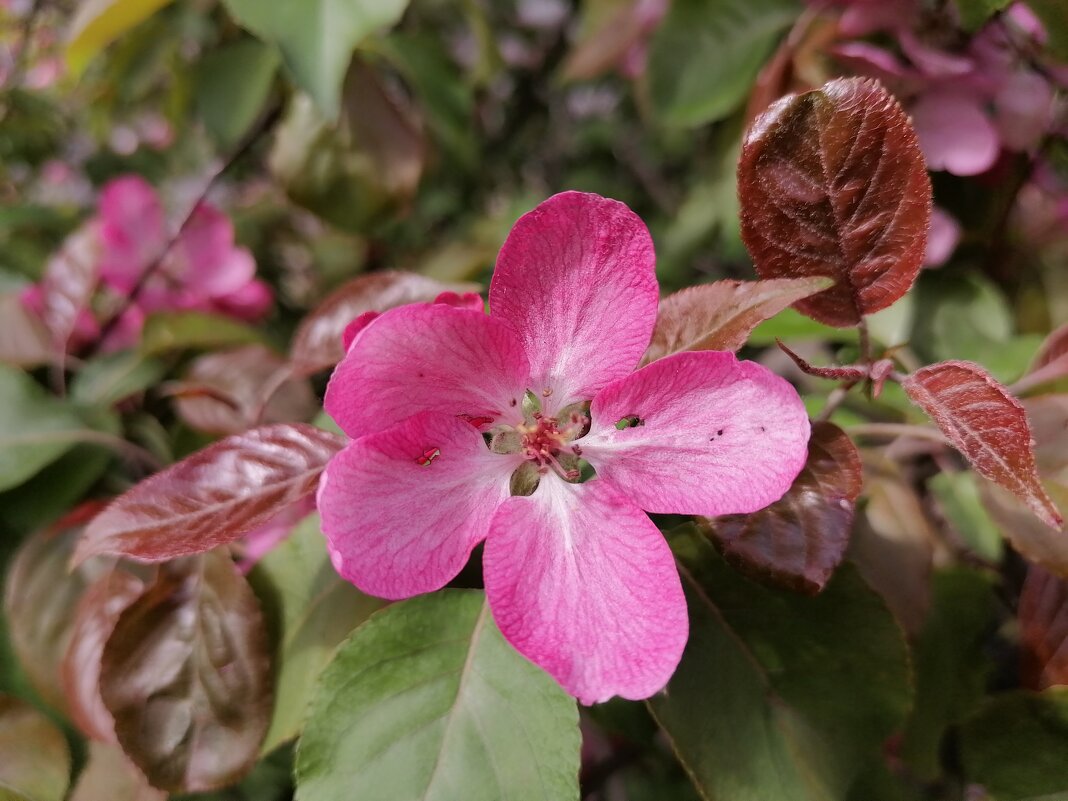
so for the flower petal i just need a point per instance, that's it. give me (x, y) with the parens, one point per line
(427, 357)
(583, 584)
(955, 133)
(709, 435)
(206, 257)
(576, 279)
(132, 230)
(402, 509)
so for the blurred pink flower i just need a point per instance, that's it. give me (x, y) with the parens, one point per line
(942, 238)
(578, 578)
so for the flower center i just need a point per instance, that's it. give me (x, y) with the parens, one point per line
(542, 442)
(547, 444)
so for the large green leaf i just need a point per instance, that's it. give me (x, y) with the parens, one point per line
(35, 428)
(706, 53)
(317, 37)
(169, 331)
(428, 701)
(1016, 743)
(34, 759)
(232, 85)
(780, 696)
(314, 611)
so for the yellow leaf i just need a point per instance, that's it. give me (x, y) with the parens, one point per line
(98, 23)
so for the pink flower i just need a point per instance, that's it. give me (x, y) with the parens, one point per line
(578, 578)
(203, 271)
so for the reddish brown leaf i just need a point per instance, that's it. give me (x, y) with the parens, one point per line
(848, 372)
(96, 616)
(317, 342)
(606, 46)
(721, 315)
(1054, 347)
(214, 496)
(244, 377)
(1043, 615)
(110, 775)
(1050, 364)
(800, 539)
(987, 425)
(70, 278)
(24, 341)
(40, 598)
(833, 182)
(186, 676)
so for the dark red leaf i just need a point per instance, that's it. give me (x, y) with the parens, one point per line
(96, 616)
(1043, 615)
(800, 539)
(244, 377)
(24, 341)
(721, 315)
(848, 372)
(186, 675)
(833, 182)
(317, 342)
(985, 423)
(214, 496)
(40, 598)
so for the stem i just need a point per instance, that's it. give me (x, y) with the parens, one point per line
(834, 400)
(865, 341)
(154, 266)
(895, 430)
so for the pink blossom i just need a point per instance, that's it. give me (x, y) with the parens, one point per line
(202, 271)
(578, 578)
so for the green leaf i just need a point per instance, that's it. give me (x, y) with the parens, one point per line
(951, 664)
(428, 700)
(232, 85)
(36, 761)
(975, 13)
(35, 427)
(98, 23)
(169, 331)
(790, 324)
(960, 501)
(314, 610)
(1015, 744)
(114, 377)
(779, 696)
(706, 54)
(1055, 20)
(317, 37)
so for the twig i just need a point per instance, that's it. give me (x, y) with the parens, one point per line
(154, 266)
(895, 430)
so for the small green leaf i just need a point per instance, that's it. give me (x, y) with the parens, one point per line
(1015, 744)
(98, 23)
(789, 325)
(1055, 20)
(960, 501)
(779, 696)
(317, 37)
(314, 610)
(114, 377)
(169, 331)
(35, 427)
(232, 85)
(706, 54)
(428, 700)
(975, 13)
(36, 762)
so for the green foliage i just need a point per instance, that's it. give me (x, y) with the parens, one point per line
(779, 696)
(443, 708)
(232, 86)
(36, 763)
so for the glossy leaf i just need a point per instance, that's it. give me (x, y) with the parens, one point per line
(317, 343)
(94, 620)
(317, 37)
(41, 596)
(207, 487)
(170, 331)
(704, 56)
(110, 775)
(214, 496)
(106, 380)
(952, 664)
(24, 341)
(833, 182)
(186, 675)
(443, 708)
(36, 761)
(98, 23)
(35, 428)
(799, 540)
(987, 425)
(780, 696)
(1043, 616)
(1015, 744)
(721, 315)
(315, 610)
(226, 392)
(68, 283)
(232, 87)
